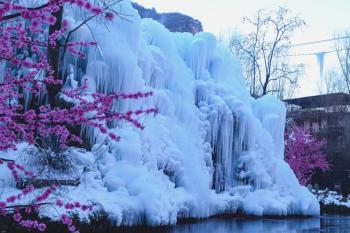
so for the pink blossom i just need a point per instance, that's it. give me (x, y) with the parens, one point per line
(109, 16)
(304, 153)
(17, 217)
(41, 227)
(19, 124)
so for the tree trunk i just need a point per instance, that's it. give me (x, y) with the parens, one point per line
(54, 58)
(265, 84)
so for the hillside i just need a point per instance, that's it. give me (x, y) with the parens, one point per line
(174, 22)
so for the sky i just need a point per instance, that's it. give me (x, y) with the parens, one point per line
(323, 18)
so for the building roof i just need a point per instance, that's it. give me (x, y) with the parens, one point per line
(334, 99)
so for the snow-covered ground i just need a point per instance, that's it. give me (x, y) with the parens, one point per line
(212, 149)
(328, 197)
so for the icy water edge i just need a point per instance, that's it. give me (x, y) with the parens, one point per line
(324, 224)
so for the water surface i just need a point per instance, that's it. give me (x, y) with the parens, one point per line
(324, 224)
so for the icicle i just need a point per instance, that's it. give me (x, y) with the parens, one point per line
(70, 83)
(320, 60)
(28, 95)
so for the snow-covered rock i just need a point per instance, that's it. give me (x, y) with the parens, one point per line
(329, 198)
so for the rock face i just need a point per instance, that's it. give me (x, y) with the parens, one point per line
(174, 22)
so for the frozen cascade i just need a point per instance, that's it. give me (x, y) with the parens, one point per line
(212, 149)
(209, 132)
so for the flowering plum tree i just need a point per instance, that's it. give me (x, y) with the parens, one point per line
(304, 153)
(32, 40)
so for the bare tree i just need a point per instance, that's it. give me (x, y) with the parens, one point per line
(343, 53)
(264, 52)
(332, 82)
(338, 79)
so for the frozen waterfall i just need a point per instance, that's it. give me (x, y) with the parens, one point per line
(212, 149)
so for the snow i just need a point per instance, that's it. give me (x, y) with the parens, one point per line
(328, 197)
(212, 149)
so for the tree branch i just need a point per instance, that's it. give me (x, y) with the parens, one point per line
(15, 15)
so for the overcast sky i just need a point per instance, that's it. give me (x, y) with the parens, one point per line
(323, 19)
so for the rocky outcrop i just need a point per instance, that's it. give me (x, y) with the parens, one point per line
(174, 22)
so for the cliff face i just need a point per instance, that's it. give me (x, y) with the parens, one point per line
(174, 22)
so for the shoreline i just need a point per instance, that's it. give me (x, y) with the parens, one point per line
(101, 224)
(334, 209)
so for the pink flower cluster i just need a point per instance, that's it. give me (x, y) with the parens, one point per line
(69, 223)
(75, 47)
(29, 224)
(17, 124)
(5, 207)
(65, 219)
(15, 168)
(304, 153)
(24, 46)
(73, 205)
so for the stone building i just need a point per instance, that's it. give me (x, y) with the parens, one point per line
(327, 117)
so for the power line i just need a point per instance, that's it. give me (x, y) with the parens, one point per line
(319, 41)
(312, 54)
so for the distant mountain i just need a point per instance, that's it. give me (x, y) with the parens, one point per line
(175, 22)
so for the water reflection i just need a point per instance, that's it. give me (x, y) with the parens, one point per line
(250, 226)
(336, 224)
(324, 224)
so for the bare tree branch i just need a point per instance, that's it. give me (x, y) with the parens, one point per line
(264, 51)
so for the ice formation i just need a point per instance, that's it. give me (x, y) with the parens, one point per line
(320, 60)
(212, 149)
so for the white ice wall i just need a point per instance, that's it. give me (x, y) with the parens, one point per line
(212, 149)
